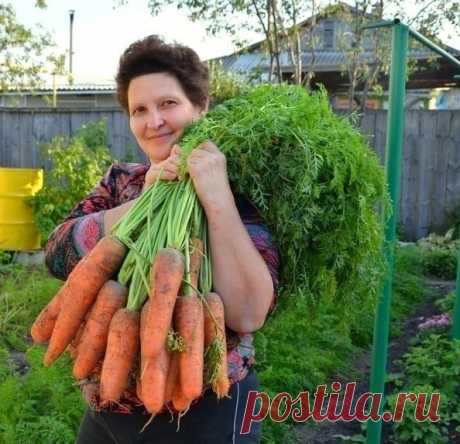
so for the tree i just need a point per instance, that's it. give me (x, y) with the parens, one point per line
(357, 44)
(25, 53)
(430, 17)
(277, 20)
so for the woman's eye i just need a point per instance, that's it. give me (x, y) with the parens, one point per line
(138, 110)
(168, 103)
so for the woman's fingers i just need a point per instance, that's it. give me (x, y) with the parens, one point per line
(168, 169)
(168, 175)
(208, 145)
(176, 150)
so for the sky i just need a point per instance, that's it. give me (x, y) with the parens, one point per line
(102, 31)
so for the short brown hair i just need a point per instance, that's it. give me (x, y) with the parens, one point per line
(153, 55)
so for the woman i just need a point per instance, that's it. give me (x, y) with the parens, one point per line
(163, 88)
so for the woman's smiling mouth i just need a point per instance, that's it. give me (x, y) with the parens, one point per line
(160, 136)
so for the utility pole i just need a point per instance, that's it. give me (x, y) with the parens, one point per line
(71, 15)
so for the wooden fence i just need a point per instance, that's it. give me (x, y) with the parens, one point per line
(430, 186)
(430, 171)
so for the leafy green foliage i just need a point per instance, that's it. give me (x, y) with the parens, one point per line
(25, 52)
(6, 257)
(446, 304)
(439, 254)
(77, 164)
(408, 286)
(222, 85)
(23, 293)
(42, 405)
(431, 366)
(440, 263)
(316, 183)
(317, 344)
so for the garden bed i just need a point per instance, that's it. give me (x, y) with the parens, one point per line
(44, 405)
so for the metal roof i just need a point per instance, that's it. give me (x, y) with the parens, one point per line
(85, 87)
(323, 60)
(78, 88)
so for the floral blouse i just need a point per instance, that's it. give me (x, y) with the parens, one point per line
(84, 226)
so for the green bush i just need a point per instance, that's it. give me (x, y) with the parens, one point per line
(315, 181)
(441, 263)
(446, 304)
(439, 254)
(433, 365)
(43, 407)
(38, 404)
(6, 257)
(408, 286)
(77, 165)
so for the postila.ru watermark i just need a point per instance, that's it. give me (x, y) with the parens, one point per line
(327, 406)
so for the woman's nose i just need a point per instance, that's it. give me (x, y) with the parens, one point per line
(155, 120)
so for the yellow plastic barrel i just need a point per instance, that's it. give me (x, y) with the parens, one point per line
(18, 231)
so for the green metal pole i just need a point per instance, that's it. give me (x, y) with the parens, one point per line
(395, 129)
(455, 332)
(422, 39)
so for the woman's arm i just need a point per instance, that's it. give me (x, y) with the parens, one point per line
(95, 216)
(240, 274)
(111, 217)
(87, 222)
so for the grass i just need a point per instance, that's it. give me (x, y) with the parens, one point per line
(39, 404)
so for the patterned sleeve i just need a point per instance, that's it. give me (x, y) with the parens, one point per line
(262, 240)
(81, 230)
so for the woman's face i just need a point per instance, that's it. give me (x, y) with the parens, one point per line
(159, 111)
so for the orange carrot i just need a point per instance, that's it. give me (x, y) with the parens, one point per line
(154, 371)
(80, 291)
(122, 347)
(179, 401)
(144, 315)
(73, 346)
(153, 380)
(139, 389)
(43, 326)
(173, 377)
(143, 319)
(166, 278)
(189, 322)
(214, 333)
(91, 347)
(143, 322)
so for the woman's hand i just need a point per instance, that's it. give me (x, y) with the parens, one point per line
(207, 167)
(167, 169)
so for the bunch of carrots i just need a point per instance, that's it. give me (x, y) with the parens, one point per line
(139, 307)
